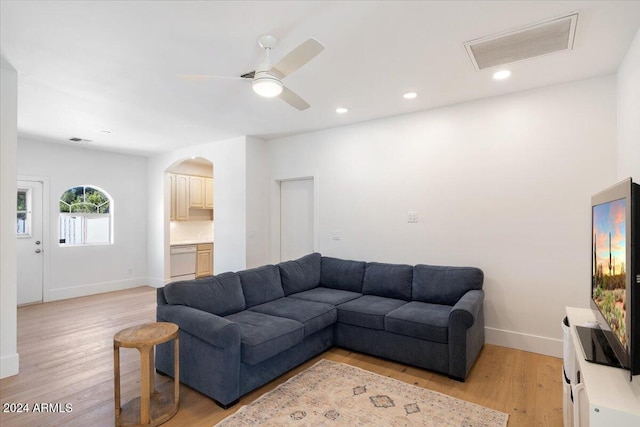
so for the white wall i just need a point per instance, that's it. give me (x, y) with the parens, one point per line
(503, 184)
(229, 175)
(629, 113)
(9, 359)
(85, 270)
(257, 203)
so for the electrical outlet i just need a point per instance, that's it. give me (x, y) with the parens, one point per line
(335, 235)
(412, 216)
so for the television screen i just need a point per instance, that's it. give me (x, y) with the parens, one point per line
(609, 257)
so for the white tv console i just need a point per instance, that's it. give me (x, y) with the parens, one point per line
(595, 395)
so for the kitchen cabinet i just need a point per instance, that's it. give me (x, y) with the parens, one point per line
(172, 198)
(196, 192)
(181, 197)
(208, 193)
(200, 192)
(191, 192)
(204, 260)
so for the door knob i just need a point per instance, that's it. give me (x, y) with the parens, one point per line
(37, 242)
(38, 251)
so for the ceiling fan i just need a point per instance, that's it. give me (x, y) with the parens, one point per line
(266, 80)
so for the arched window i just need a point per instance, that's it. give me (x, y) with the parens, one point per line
(86, 217)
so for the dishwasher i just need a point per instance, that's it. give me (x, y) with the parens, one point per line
(183, 262)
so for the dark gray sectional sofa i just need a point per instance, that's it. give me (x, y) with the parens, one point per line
(239, 331)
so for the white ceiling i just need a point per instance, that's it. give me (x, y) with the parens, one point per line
(85, 67)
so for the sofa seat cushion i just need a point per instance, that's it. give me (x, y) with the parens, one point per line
(367, 311)
(327, 296)
(263, 336)
(313, 315)
(420, 320)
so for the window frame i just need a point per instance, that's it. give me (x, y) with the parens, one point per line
(84, 217)
(27, 212)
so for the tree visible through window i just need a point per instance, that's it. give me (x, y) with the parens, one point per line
(23, 214)
(85, 216)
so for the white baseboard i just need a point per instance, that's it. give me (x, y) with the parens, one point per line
(155, 282)
(527, 342)
(9, 365)
(95, 288)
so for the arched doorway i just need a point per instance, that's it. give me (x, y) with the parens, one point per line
(191, 218)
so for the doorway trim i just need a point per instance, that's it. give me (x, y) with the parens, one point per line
(46, 231)
(275, 213)
(166, 208)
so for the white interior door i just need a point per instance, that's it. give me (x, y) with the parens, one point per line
(296, 218)
(29, 244)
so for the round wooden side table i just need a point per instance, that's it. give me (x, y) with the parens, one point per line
(152, 408)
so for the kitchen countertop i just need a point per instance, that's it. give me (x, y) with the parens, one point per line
(189, 242)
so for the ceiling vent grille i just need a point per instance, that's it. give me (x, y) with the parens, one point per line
(539, 39)
(79, 140)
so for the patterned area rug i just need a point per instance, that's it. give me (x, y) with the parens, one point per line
(335, 394)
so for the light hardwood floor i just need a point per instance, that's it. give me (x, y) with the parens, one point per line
(66, 357)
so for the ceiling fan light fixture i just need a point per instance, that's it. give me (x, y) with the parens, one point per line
(266, 85)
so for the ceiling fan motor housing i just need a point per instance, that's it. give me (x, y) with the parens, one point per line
(264, 83)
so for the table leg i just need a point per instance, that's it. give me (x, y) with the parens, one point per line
(116, 382)
(176, 372)
(152, 371)
(145, 382)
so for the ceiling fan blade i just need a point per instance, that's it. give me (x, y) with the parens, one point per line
(205, 77)
(297, 58)
(294, 100)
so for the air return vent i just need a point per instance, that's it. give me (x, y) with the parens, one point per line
(79, 140)
(539, 39)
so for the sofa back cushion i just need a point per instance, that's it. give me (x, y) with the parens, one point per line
(261, 285)
(301, 274)
(342, 274)
(388, 280)
(220, 295)
(444, 285)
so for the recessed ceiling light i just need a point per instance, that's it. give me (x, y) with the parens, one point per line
(410, 95)
(501, 75)
(341, 110)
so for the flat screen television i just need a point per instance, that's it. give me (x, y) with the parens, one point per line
(615, 278)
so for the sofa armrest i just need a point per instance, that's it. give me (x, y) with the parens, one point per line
(466, 310)
(210, 352)
(215, 330)
(466, 333)
(160, 299)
